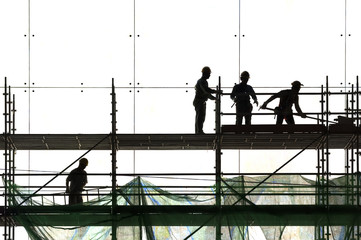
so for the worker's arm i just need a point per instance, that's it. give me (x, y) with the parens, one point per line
(67, 185)
(233, 94)
(253, 95)
(298, 109)
(264, 105)
(86, 180)
(206, 90)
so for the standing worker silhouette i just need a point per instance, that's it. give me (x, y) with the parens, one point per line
(203, 92)
(78, 179)
(287, 99)
(240, 95)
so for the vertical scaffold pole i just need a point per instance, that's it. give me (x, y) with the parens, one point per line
(9, 163)
(350, 159)
(319, 176)
(357, 144)
(12, 130)
(9, 157)
(322, 177)
(350, 181)
(320, 151)
(349, 153)
(327, 153)
(114, 164)
(218, 160)
(5, 160)
(358, 233)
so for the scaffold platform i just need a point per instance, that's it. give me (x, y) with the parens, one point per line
(232, 137)
(265, 215)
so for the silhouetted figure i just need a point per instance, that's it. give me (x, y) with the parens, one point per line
(78, 180)
(203, 92)
(241, 96)
(287, 99)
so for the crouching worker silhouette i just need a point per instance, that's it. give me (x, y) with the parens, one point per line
(287, 99)
(78, 180)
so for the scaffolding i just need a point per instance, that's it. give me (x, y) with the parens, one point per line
(234, 199)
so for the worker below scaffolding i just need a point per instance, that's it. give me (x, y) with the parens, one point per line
(241, 96)
(78, 180)
(287, 98)
(203, 92)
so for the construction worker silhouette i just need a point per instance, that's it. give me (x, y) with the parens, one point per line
(78, 180)
(203, 93)
(241, 96)
(287, 99)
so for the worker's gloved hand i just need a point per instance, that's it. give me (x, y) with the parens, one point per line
(219, 91)
(212, 97)
(256, 102)
(303, 115)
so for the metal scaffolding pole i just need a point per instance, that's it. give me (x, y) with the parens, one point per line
(9, 154)
(357, 228)
(6, 156)
(357, 143)
(326, 171)
(350, 164)
(114, 163)
(322, 163)
(218, 161)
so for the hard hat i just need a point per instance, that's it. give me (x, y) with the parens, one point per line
(206, 70)
(297, 84)
(245, 74)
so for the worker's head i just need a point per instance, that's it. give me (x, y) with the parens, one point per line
(206, 72)
(83, 163)
(296, 86)
(244, 76)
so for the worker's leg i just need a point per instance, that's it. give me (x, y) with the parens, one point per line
(279, 120)
(200, 117)
(290, 120)
(75, 198)
(240, 113)
(79, 198)
(72, 198)
(248, 115)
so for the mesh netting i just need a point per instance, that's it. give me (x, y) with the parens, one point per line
(277, 190)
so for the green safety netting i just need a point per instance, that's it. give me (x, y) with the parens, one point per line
(276, 190)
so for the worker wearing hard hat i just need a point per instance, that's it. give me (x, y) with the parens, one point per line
(287, 99)
(241, 95)
(203, 93)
